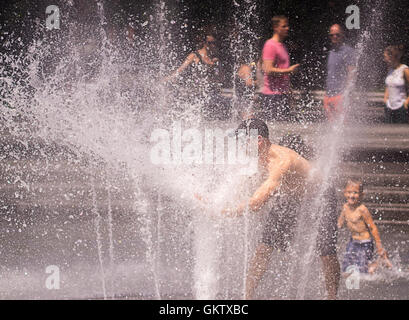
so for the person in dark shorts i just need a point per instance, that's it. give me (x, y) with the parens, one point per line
(289, 175)
(282, 220)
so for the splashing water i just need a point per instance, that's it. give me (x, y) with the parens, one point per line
(80, 99)
(99, 238)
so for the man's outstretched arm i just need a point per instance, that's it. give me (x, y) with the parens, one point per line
(276, 172)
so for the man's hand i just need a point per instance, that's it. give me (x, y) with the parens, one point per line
(406, 104)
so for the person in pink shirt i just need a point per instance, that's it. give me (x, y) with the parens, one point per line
(277, 71)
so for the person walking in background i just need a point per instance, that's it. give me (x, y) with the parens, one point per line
(397, 83)
(201, 76)
(203, 60)
(340, 71)
(277, 71)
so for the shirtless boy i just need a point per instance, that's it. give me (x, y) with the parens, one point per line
(360, 249)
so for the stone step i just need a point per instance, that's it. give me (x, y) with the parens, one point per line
(382, 195)
(30, 177)
(367, 168)
(389, 211)
(14, 148)
(392, 211)
(378, 179)
(313, 112)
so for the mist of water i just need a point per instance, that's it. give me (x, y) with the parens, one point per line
(85, 99)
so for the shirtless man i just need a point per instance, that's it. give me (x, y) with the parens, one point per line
(359, 221)
(287, 173)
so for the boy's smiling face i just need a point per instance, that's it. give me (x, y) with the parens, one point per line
(353, 194)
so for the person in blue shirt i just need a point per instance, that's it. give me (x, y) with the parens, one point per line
(340, 71)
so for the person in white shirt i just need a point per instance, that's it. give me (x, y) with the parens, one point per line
(397, 83)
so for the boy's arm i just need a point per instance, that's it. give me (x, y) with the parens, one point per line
(366, 215)
(341, 219)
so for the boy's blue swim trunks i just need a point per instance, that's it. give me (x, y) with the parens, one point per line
(359, 254)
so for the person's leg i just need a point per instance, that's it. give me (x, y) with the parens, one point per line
(276, 107)
(277, 233)
(338, 104)
(372, 267)
(327, 108)
(224, 107)
(394, 116)
(283, 105)
(388, 115)
(402, 115)
(398, 116)
(348, 260)
(372, 263)
(368, 249)
(258, 266)
(263, 107)
(270, 107)
(332, 274)
(327, 241)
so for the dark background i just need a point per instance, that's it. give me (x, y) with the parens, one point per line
(185, 20)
